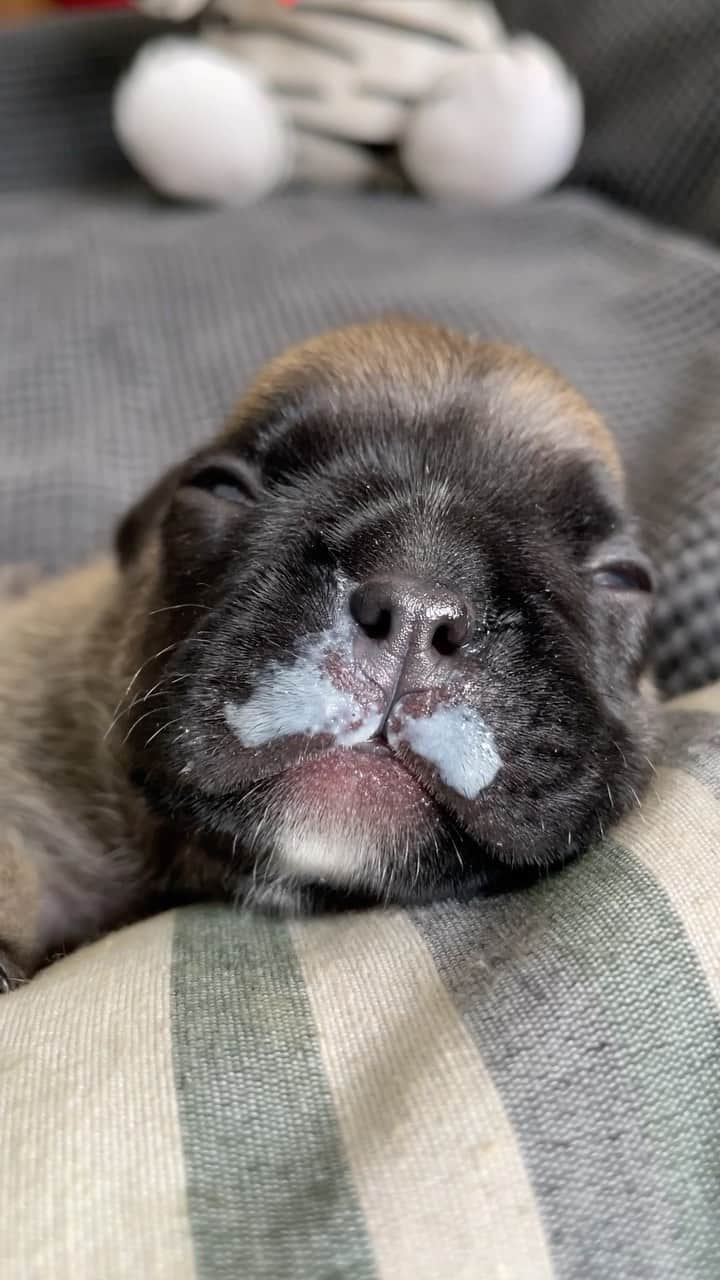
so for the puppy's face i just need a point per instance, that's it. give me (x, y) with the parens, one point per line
(392, 624)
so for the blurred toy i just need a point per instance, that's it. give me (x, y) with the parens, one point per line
(88, 4)
(347, 92)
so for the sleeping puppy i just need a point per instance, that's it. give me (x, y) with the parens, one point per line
(382, 640)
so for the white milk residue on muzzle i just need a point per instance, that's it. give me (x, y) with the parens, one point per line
(319, 693)
(324, 692)
(457, 741)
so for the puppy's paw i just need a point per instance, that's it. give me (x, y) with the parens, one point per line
(499, 126)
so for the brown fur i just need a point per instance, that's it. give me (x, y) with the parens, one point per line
(68, 650)
(413, 351)
(17, 579)
(62, 793)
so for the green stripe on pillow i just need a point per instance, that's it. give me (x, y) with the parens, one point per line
(269, 1193)
(676, 835)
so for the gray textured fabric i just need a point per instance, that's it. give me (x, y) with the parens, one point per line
(56, 84)
(127, 326)
(650, 71)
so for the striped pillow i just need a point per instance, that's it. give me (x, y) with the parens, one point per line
(525, 1087)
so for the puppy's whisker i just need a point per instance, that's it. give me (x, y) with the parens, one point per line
(160, 653)
(162, 729)
(153, 657)
(120, 715)
(458, 855)
(157, 691)
(153, 711)
(258, 830)
(267, 868)
(170, 608)
(249, 796)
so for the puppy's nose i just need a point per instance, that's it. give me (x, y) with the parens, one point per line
(429, 618)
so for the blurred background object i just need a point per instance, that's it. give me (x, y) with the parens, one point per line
(12, 10)
(433, 94)
(650, 73)
(17, 10)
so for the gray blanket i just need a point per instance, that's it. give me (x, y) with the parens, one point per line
(127, 326)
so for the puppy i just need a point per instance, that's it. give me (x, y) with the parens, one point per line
(383, 640)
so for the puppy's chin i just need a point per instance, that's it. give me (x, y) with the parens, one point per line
(349, 816)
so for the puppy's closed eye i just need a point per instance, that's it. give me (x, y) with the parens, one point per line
(621, 567)
(624, 575)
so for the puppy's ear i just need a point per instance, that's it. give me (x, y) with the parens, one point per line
(196, 500)
(146, 516)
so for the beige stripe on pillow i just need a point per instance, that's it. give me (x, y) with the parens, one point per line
(433, 1155)
(676, 835)
(706, 699)
(91, 1160)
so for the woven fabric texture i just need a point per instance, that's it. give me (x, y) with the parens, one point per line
(56, 89)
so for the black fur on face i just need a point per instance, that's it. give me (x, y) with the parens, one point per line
(395, 629)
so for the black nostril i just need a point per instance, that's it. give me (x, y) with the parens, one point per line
(443, 643)
(380, 627)
(452, 632)
(372, 610)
